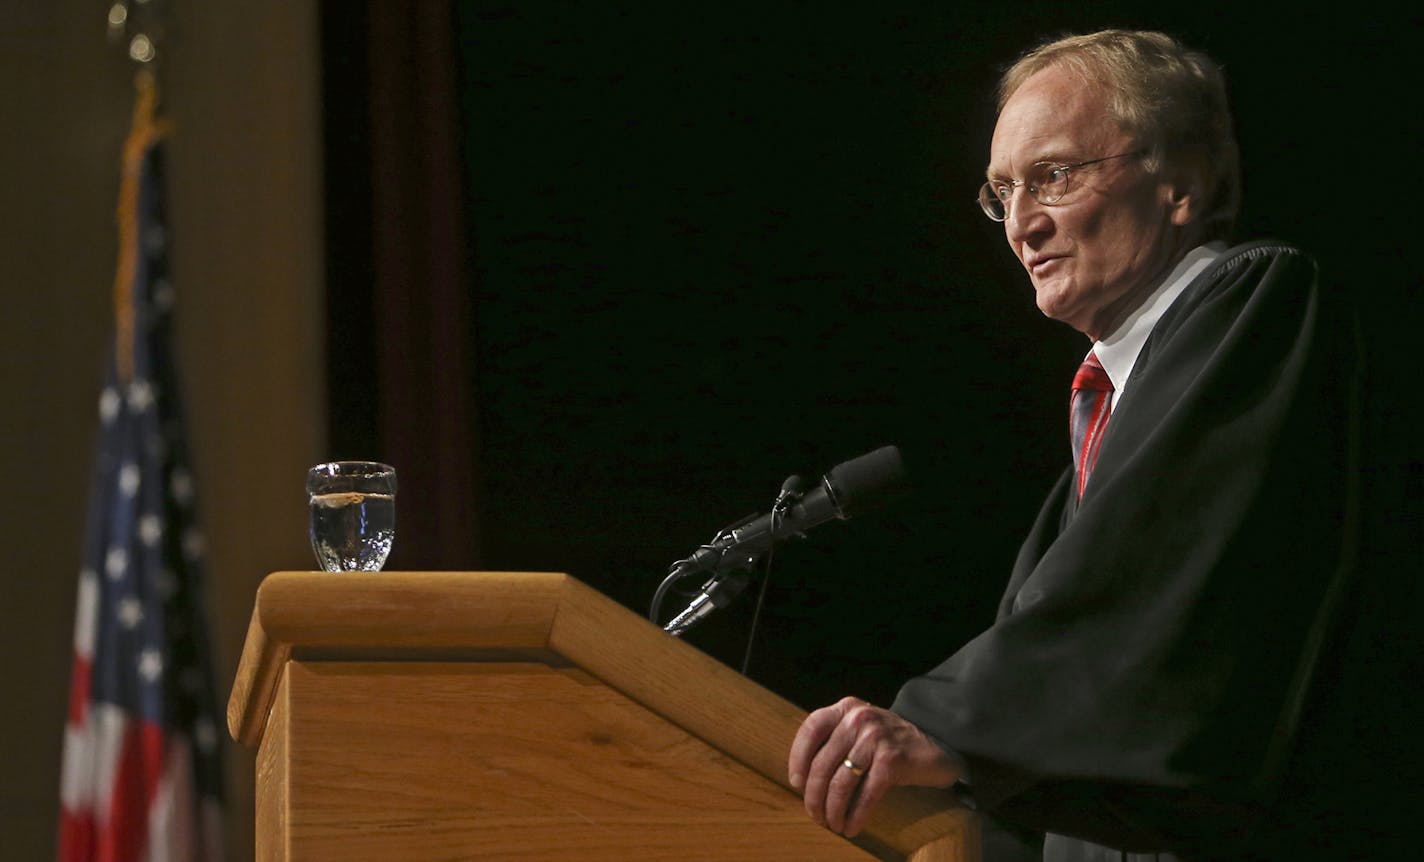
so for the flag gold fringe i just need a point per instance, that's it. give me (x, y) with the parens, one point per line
(146, 129)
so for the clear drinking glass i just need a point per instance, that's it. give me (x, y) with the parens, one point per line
(353, 514)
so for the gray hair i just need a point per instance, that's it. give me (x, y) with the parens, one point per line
(1170, 99)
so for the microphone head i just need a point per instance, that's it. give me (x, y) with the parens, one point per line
(790, 491)
(868, 482)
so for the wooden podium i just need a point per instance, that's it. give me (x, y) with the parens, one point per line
(475, 715)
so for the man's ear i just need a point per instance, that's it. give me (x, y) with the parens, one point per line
(1181, 199)
(1181, 191)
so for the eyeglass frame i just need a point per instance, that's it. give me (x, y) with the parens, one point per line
(986, 191)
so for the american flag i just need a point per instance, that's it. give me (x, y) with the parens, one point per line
(141, 776)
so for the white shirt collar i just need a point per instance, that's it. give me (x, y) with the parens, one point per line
(1118, 351)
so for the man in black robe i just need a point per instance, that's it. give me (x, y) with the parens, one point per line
(1173, 672)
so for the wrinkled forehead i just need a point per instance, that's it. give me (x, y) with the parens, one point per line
(1054, 116)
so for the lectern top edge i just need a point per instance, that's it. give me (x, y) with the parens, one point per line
(484, 616)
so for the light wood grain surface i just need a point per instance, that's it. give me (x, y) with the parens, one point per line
(455, 712)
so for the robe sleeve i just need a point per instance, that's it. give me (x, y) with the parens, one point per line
(1147, 670)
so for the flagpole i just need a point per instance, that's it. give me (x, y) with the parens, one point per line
(141, 26)
(145, 131)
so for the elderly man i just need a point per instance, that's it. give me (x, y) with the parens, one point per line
(1159, 659)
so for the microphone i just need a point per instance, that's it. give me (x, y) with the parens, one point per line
(859, 485)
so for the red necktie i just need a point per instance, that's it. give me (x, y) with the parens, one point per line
(1089, 410)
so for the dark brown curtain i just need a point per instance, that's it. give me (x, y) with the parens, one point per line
(420, 302)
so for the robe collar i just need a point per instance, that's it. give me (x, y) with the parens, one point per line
(1119, 350)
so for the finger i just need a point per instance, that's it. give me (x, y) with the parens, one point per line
(845, 785)
(871, 789)
(810, 737)
(824, 773)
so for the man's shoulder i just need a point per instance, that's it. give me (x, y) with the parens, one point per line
(1238, 277)
(1254, 298)
(1260, 257)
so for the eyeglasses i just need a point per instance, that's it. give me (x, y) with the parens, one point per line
(1046, 181)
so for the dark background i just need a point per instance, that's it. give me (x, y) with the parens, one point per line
(689, 251)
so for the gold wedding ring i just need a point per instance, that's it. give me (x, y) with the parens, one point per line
(854, 770)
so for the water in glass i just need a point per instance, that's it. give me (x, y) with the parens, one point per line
(353, 514)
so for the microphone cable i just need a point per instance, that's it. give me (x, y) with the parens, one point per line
(677, 571)
(790, 493)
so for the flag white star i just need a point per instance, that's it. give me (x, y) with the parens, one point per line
(150, 665)
(193, 545)
(140, 395)
(129, 479)
(116, 562)
(130, 612)
(109, 404)
(150, 530)
(205, 736)
(162, 294)
(181, 486)
(154, 238)
(166, 583)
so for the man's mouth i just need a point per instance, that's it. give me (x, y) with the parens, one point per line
(1040, 264)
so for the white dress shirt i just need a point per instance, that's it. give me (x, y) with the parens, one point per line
(1118, 351)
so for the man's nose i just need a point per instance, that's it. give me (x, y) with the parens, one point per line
(1026, 217)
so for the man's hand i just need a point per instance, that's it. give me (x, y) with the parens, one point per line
(847, 755)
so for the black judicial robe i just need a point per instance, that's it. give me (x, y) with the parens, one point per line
(1164, 646)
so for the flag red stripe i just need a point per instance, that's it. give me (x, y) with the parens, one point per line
(79, 691)
(76, 836)
(135, 784)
